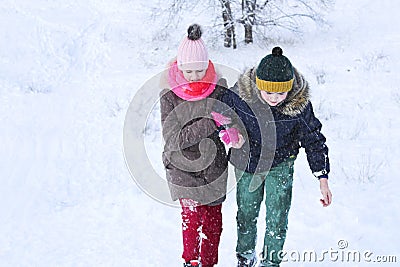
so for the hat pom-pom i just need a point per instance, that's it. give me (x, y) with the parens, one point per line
(277, 51)
(194, 32)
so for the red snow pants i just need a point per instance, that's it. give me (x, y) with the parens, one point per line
(201, 231)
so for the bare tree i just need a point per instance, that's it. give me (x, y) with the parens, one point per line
(229, 24)
(265, 17)
(290, 14)
(248, 19)
(269, 15)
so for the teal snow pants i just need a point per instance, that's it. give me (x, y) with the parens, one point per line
(277, 184)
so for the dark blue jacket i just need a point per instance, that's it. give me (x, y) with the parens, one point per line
(274, 134)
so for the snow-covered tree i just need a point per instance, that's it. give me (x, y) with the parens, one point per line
(282, 14)
(257, 17)
(248, 19)
(229, 24)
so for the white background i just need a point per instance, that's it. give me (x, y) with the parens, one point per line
(68, 70)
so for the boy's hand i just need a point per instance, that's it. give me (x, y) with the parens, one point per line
(326, 193)
(232, 137)
(239, 143)
(229, 136)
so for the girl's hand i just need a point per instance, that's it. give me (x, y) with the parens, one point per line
(220, 119)
(326, 193)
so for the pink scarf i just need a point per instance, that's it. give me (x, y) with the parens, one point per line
(192, 91)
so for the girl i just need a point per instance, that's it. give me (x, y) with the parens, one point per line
(194, 157)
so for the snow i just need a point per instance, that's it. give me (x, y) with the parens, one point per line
(68, 73)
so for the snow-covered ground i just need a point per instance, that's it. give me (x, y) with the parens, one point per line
(68, 72)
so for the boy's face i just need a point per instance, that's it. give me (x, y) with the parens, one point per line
(273, 99)
(194, 75)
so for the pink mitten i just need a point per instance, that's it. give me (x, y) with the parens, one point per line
(220, 119)
(229, 136)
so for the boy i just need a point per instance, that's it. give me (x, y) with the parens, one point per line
(272, 105)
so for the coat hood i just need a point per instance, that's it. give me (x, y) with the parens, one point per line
(295, 102)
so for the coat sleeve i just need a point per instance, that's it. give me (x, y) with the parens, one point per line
(177, 136)
(226, 105)
(230, 105)
(313, 142)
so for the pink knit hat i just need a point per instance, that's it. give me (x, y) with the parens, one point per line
(192, 52)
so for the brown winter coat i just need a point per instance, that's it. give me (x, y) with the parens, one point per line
(193, 170)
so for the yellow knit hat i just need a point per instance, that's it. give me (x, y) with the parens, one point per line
(275, 73)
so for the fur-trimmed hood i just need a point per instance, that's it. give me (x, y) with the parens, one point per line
(295, 102)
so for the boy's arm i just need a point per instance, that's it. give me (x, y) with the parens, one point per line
(224, 107)
(313, 142)
(224, 114)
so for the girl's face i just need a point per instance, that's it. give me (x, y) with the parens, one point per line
(194, 75)
(273, 99)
